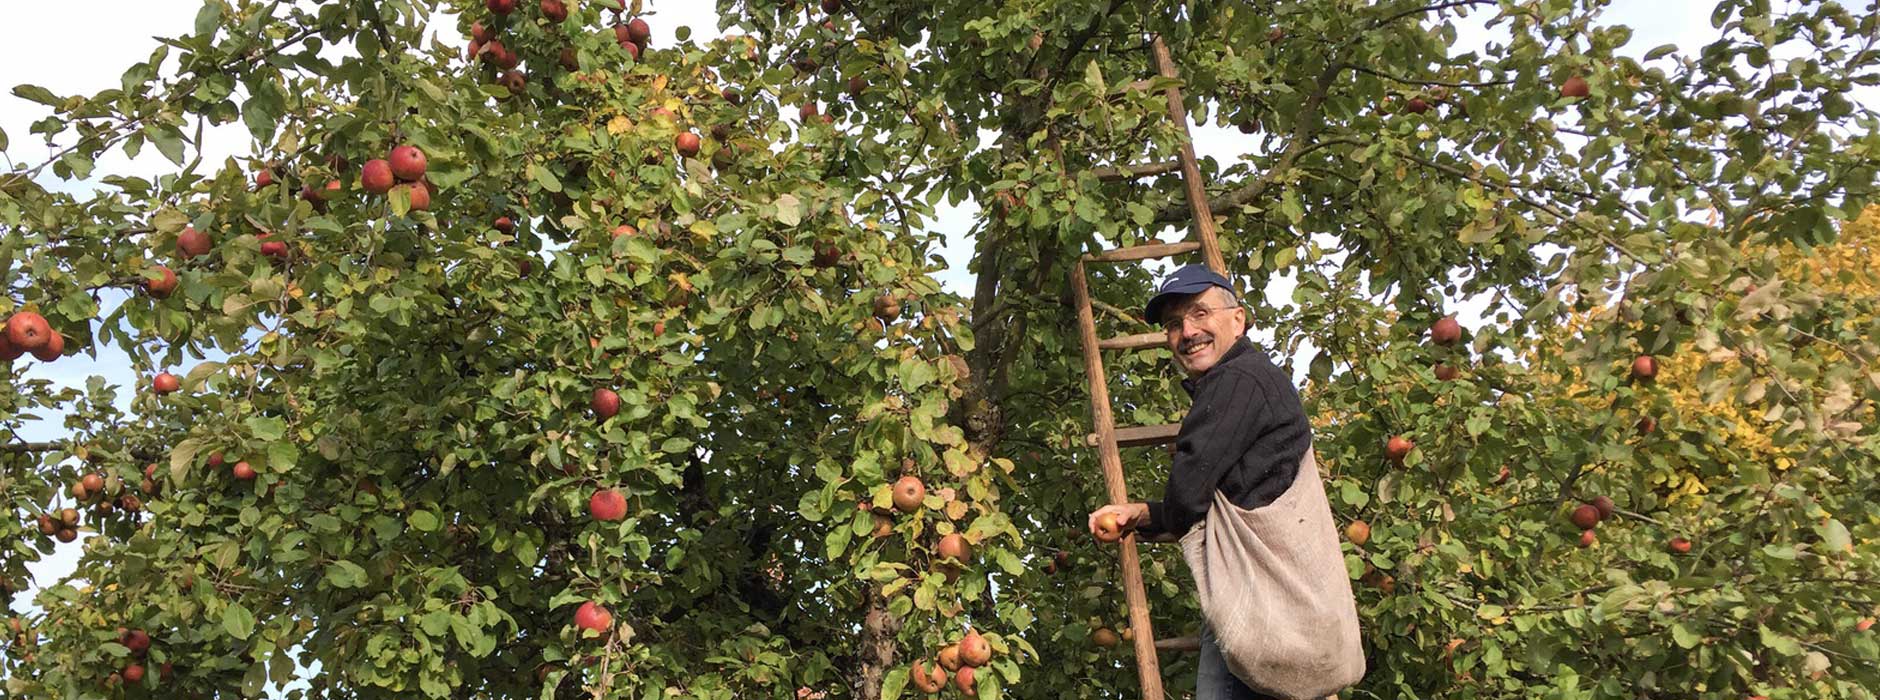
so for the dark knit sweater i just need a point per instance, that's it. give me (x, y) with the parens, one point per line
(1244, 437)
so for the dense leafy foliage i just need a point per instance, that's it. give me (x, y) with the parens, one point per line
(702, 273)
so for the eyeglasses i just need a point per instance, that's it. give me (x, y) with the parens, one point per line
(1196, 315)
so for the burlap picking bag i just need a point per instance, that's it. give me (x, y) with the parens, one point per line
(1273, 587)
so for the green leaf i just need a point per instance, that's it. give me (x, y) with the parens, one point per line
(208, 19)
(37, 94)
(894, 683)
(422, 521)
(237, 621)
(789, 210)
(345, 574)
(266, 428)
(544, 178)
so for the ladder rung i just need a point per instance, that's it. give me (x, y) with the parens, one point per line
(1134, 342)
(1141, 435)
(1131, 172)
(1144, 252)
(1178, 644)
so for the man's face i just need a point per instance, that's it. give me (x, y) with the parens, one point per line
(1202, 327)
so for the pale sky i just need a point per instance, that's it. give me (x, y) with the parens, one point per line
(80, 47)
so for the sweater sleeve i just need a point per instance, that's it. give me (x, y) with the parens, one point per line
(1219, 429)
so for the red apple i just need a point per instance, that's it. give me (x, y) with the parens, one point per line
(1866, 623)
(857, 85)
(807, 112)
(263, 179)
(481, 32)
(687, 144)
(376, 176)
(607, 505)
(639, 32)
(1416, 105)
(974, 651)
(215, 460)
(605, 403)
(163, 285)
(274, 249)
(593, 617)
(1585, 517)
(1398, 447)
(408, 163)
(418, 195)
(1645, 368)
(1575, 86)
(504, 224)
(1647, 425)
(963, 679)
(501, 7)
(1679, 545)
(134, 673)
(568, 59)
(243, 472)
(93, 482)
(909, 493)
(928, 678)
(625, 230)
(1604, 505)
(513, 81)
(29, 331)
(192, 243)
(1587, 538)
(954, 546)
(165, 383)
(1359, 532)
(1108, 530)
(554, 10)
(8, 352)
(138, 641)
(1446, 331)
(1445, 373)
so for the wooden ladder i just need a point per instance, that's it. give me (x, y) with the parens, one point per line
(1107, 438)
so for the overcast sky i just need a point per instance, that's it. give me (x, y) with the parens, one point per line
(81, 47)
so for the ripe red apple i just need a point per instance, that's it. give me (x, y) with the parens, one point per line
(215, 460)
(1645, 368)
(887, 308)
(134, 673)
(1446, 331)
(807, 112)
(857, 85)
(639, 32)
(514, 81)
(974, 651)
(165, 383)
(591, 616)
(1416, 105)
(418, 195)
(1359, 532)
(192, 243)
(376, 176)
(481, 32)
(832, 6)
(8, 352)
(929, 678)
(263, 179)
(53, 349)
(605, 403)
(274, 249)
(1398, 447)
(1604, 505)
(138, 641)
(1587, 538)
(501, 7)
(687, 143)
(731, 96)
(47, 526)
(1585, 517)
(554, 10)
(408, 163)
(950, 657)
(1105, 637)
(569, 61)
(1647, 425)
(909, 493)
(1108, 530)
(163, 285)
(93, 482)
(1866, 623)
(955, 546)
(1445, 372)
(607, 505)
(1575, 86)
(625, 230)
(1275, 34)
(243, 471)
(1679, 545)
(963, 679)
(504, 224)
(320, 194)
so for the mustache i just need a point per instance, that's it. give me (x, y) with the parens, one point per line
(1189, 343)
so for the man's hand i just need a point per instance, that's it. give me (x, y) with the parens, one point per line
(1129, 516)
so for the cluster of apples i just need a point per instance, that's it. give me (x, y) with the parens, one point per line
(138, 641)
(1588, 516)
(961, 659)
(27, 331)
(406, 164)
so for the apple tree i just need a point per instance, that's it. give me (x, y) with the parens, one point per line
(549, 350)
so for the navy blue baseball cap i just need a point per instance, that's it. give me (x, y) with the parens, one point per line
(1190, 279)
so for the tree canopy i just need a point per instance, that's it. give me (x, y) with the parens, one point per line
(611, 387)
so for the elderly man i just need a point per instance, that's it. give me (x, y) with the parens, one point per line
(1244, 436)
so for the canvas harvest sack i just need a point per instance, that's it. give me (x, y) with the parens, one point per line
(1274, 590)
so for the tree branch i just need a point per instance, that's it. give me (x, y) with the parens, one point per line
(1300, 145)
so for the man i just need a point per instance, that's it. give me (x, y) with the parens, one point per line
(1244, 436)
